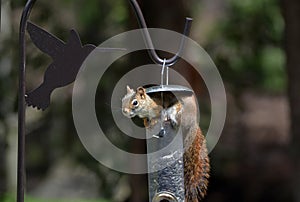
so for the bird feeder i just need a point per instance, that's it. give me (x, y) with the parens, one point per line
(165, 166)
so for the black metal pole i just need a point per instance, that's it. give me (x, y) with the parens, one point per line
(21, 103)
(152, 53)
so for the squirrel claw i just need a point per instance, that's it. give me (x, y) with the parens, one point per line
(174, 123)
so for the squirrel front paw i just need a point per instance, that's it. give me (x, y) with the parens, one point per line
(174, 119)
(174, 122)
(173, 114)
(149, 123)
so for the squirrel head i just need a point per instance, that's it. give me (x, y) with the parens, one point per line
(133, 101)
(138, 103)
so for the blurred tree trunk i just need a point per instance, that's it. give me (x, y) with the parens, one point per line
(291, 14)
(165, 14)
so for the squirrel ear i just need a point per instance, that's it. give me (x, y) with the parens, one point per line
(141, 91)
(129, 90)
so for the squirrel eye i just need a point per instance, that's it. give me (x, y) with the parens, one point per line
(135, 103)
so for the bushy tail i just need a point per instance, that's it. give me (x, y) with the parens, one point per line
(197, 168)
(39, 98)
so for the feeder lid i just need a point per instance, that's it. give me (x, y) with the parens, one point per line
(169, 88)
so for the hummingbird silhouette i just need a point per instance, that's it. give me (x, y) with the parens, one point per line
(67, 60)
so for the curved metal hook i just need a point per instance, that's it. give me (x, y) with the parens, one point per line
(21, 103)
(151, 50)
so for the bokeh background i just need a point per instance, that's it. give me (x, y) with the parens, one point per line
(254, 43)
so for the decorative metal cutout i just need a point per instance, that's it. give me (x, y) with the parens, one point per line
(67, 60)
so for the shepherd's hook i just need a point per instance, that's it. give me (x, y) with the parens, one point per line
(21, 103)
(151, 50)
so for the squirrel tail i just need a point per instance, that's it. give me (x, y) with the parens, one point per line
(39, 97)
(197, 168)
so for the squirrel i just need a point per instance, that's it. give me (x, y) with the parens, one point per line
(183, 112)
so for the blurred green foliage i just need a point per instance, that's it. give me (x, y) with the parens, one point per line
(250, 50)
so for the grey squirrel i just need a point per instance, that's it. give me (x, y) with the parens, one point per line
(181, 112)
